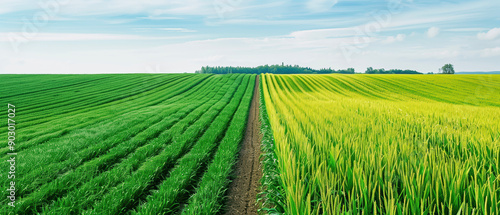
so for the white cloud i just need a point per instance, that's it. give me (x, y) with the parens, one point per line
(465, 29)
(490, 52)
(432, 32)
(320, 5)
(290, 22)
(182, 30)
(397, 38)
(321, 46)
(326, 33)
(440, 54)
(182, 57)
(116, 7)
(19, 36)
(160, 18)
(190, 56)
(9, 6)
(490, 35)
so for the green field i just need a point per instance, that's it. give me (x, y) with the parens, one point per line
(382, 144)
(332, 144)
(123, 144)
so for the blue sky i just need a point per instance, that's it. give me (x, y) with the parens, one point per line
(97, 36)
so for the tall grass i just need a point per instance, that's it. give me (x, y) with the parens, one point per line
(105, 144)
(208, 196)
(386, 144)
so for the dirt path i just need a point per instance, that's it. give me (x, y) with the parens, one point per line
(243, 189)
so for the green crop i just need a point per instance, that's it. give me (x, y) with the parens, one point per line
(113, 144)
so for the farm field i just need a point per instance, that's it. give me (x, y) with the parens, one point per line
(381, 144)
(123, 144)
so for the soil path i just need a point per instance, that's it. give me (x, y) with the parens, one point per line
(242, 191)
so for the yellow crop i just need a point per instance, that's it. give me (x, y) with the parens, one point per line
(386, 144)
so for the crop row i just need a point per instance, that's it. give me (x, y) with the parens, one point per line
(378, 144)
(208, 197)
(80, 145)
(36, 115)
(121, 155)
(56, 151)
(63, 124)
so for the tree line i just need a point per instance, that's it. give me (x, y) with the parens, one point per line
(274, 69)
(370, 70)
(289, 69)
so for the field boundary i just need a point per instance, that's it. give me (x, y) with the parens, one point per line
(271, 199)
(243, 190)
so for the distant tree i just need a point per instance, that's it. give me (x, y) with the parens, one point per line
(369, 70)
(448, 69)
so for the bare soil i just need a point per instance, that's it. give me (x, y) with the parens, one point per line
(242, 192)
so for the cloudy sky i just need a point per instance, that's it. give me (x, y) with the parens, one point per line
(116, 36)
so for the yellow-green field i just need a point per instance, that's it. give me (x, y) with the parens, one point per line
(384, 144)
